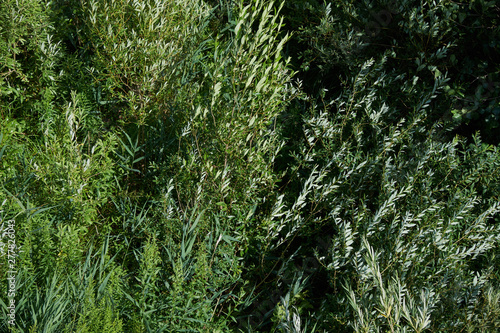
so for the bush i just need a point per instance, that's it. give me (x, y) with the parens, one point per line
(248, 166)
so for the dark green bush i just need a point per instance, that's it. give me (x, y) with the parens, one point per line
(220, 166)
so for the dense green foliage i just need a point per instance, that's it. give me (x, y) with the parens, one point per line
(224, 166)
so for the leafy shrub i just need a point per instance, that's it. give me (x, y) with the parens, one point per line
(412, 238)
(29, 58)
(422, 39)
(218, 167)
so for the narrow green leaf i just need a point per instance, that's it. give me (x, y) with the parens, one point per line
(260, 84)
